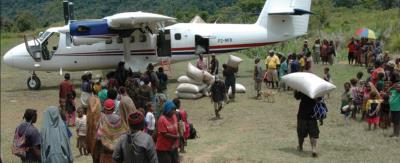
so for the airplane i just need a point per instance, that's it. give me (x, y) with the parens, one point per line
(140, 38)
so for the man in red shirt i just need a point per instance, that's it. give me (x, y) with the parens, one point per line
(168, 135)
(65, 87)
(352, 50)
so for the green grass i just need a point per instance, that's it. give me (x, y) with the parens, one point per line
(250, 131)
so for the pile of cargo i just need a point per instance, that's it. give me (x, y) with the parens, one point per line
(197, 83)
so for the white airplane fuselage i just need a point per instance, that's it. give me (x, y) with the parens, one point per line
(222, 38)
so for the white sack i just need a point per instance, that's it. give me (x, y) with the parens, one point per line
(308, 83)
(239, 89)
(190, 88)
(187, 79)
(234, 61)
(189, 95)
(208, 78)
(194, 73)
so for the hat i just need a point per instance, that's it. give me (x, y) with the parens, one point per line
(88, 72)
(135, 118)
(168, 106)
(271, 51)
(109, 105)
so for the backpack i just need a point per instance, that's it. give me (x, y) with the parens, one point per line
(19, 144)
(193, 132)
(320, 110)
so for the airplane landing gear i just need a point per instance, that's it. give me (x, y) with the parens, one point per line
(33, 82)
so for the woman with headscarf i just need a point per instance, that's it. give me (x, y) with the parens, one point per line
(110, 129)
(55, 142)
(92, 117)
(168, 135)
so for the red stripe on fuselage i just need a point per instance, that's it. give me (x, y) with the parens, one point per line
(236, 46)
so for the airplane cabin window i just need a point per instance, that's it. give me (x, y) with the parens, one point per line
(132, 40)
(178, 36)
(119, 40)
(143, 38)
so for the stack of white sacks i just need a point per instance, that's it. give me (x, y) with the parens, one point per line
(196, 83)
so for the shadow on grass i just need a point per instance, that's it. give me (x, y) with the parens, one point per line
(294, 151)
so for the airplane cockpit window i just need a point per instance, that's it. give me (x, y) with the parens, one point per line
(50, 46)
(44, 35)
(143, 38)
(178, 36)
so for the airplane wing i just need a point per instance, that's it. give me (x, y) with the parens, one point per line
(145, 22)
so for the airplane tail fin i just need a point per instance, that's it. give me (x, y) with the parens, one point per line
(285, 18)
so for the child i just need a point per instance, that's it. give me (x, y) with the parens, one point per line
(302, 62)
(70, 109)
(385, 109)
(380, 84)
(327, 77)
(150, 120)
(373, 107)
(347, 106)
(360, 82)
(81, 131)
(356, 96)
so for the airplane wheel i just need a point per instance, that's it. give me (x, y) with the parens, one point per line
(33, 83)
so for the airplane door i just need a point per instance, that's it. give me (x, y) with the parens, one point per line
(202, 45)
(164, 43)
(35, 49)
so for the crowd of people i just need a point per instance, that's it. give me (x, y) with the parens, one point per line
(376, 98)
(125, 117)
(365, 52)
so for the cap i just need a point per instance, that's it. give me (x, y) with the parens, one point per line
(135, 118)
(88, 72)
(109, 105)
(271, 51)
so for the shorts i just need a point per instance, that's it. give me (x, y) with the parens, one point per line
(307, 128)
(351, 55)
(218, 105)
(374, 120)
(272, 75)
(168, 156)
(395, 117)
(81, 143)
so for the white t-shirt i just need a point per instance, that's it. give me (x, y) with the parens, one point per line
(81, 125)
(150, 121)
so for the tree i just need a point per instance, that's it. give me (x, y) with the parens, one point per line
(25, 21)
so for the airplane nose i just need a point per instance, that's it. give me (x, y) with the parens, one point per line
(8, 59)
